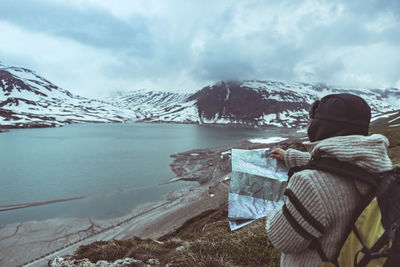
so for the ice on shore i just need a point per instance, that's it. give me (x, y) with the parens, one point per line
(225, 153)
(269, 140)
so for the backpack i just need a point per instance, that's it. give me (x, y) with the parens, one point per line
(373, 236)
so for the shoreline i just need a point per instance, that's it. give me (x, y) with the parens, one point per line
(36, 242)
(7, 128)
(40, 203)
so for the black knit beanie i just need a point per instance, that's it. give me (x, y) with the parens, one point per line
(339, 115)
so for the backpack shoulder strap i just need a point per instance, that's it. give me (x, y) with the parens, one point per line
(341, 168)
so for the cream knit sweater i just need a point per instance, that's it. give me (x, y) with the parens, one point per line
(329, 198)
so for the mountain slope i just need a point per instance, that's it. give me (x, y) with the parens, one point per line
(387, 119)
(156, 106)
(29, 100)
(275, 103)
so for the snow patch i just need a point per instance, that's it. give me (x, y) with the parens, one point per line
(383, 116)
(225, 153)
(228, 92)
(395, 119)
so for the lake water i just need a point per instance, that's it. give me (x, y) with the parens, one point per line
(86, 159)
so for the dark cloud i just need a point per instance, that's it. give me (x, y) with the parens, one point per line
(370, 8)
(223, 65)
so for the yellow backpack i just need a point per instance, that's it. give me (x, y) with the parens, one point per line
(372, 238)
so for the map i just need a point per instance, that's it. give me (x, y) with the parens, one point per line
(257, 185)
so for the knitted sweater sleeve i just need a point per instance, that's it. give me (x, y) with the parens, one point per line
(295, 158)
(281, 232)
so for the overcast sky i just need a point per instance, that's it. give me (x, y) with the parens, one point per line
(95, 47)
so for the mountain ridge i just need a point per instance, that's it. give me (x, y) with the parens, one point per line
(30, 100)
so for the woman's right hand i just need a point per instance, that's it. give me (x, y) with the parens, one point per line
(278, 153)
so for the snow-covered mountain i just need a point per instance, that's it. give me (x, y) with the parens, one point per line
(277, 103)
(29, 100)
(255, 103)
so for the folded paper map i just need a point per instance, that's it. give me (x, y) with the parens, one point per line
(256, 187)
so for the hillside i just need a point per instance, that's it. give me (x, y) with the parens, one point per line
(387, 119)
(29, 100)
(390, 128)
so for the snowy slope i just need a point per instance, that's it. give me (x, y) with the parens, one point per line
(387, 119)
(29, 100)
(156, 106)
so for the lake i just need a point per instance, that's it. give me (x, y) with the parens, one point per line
(87, 159)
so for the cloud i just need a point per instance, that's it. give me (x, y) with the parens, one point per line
(48, 57)
(90, 26)
(95, 47)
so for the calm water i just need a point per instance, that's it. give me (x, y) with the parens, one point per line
(83, 159)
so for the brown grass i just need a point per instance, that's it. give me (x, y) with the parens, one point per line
(205, 240)
(137, 248)
(216, 243)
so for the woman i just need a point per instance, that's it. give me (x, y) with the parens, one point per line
(338, 129)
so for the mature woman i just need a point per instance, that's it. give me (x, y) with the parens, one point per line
(338, 129)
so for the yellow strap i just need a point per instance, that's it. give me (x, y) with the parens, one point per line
(326, 264)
